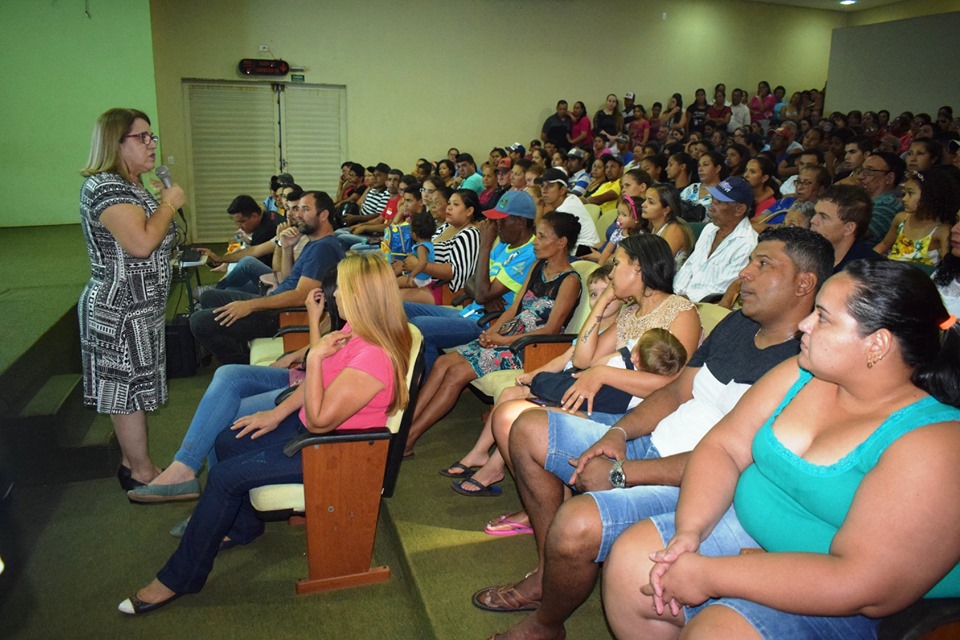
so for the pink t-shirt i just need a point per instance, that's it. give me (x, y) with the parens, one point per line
(582, 126)
(361, 355)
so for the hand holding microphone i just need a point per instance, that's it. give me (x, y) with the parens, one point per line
(171, 193)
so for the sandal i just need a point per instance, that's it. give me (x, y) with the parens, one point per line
(457, 470)
(503, 599)
(481, 490)
(503, 526)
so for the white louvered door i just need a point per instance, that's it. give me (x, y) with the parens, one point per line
(240, 134)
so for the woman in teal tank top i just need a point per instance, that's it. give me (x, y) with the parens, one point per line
(837, 470)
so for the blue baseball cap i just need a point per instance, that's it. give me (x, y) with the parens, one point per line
(733, 189)
(513, 203)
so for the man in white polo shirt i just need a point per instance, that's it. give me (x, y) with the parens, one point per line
(553, 188)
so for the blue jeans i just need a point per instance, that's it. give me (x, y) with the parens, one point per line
(727, 539)
(245, 276)
(230, 344)
(236, 390)
(354, 242)
(442, 328)
(224, 508)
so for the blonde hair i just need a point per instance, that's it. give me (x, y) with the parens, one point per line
(108, 134)
(602, 273)
(660, 352)
(371, 302)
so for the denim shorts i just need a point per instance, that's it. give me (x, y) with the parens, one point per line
(569, 436)
(727, 539)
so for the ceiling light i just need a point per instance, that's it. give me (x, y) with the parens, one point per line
(847, 2)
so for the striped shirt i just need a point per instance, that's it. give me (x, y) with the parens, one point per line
(460, 252)
(375, 202)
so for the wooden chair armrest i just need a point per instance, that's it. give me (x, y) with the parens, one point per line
(341, 435)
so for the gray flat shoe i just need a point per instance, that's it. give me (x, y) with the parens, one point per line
(155, 493)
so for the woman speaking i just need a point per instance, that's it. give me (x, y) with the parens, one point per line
(129, 236)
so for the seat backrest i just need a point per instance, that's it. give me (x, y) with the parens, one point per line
(594, 211)
(399, 423)
(584, 268)
(606, 219)
(710, 316)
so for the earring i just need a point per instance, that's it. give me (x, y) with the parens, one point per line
(873, 359)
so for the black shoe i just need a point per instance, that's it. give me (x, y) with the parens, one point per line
(126, 480)
(134, 606)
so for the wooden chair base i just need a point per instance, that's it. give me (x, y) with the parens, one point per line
(375, 575)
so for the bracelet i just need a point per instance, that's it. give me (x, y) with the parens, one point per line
(621, 429)
(167, 204)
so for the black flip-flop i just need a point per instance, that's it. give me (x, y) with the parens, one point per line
(464, 473)
(483, 491)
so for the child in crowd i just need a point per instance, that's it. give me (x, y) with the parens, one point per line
(628, 223)
(422, 228)
(921, 232)
(657, 351)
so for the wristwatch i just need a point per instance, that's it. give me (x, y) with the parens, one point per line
(617, 479)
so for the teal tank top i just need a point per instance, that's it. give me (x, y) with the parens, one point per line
(789, 504)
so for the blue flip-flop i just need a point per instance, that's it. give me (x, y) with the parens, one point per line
(457, 470)
(483, 491)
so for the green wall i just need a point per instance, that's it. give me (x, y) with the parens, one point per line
(61, 69)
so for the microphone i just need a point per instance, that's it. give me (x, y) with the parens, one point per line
(164, 174)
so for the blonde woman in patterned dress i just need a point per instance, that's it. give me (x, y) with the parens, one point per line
(129, 237)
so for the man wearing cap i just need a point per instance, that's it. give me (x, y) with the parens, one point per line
(375, 198)
(607, 193)
(553, 189)
(505, 257)
(579, 177)
(467, 176)
(621, 148)
(628, 103)
(503, 173)
(724, 245)
(556, 128)
(516, 151)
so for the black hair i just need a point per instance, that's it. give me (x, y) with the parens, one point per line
(686, 160)
(325, 203)
(565, 225)
(449, 165)
(744, 154)
(894, 162)
(679, 99)
(809, 251)
(939, 193)
(395, 172)
(414, 190)
(426, 167)
(445, 191)
(523, 163)
(892, 295)
(853, 205)
(471, 199)
(660, 161)
(933, 147)
(296, 194)
(466, 157)
(717, 158)
(328, 282)
(357, 169)
(244, 205)
(423, 225)
(769, 169)
(863, 143)
(639, 175)
(813, 151)
(652, 254)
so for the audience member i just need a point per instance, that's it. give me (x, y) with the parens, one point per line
(581, 129)
(467, 176)
(724, 245)
(579, 177)
(258, 231)
(553, 187)
(228, 320)
(608, 122)
(543, 306)
(647, 448)
(761, 174)
(556, 128)
(880, 174)
(607, 193)
(842, 216)
(661, 209)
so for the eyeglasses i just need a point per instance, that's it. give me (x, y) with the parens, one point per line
(145, 138)
(867, 171)
(804, 183)
(427, 191)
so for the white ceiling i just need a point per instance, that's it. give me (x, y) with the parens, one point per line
(832, 5)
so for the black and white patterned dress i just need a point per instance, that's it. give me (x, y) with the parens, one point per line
(122, 308)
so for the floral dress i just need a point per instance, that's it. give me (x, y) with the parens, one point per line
(535, 307)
